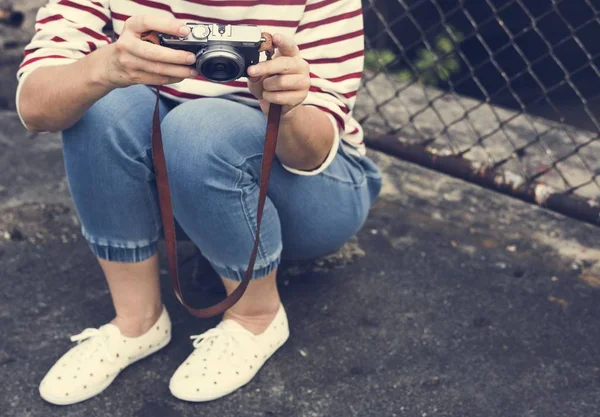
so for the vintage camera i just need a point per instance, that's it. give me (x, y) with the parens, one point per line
(223, 52)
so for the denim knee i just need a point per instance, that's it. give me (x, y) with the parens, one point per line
(108, 163)
(102, 131)
(219, 129)
(213, 150)
(207, 148)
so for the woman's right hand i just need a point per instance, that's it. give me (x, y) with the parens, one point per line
(131, 60)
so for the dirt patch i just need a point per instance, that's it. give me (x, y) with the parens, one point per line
(38, 224)
(584, 258)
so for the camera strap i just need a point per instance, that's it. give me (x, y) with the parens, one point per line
(166, 208)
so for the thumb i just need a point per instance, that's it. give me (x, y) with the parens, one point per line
(253, 80)
(285, 45)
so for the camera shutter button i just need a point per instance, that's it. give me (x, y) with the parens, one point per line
(200, 32)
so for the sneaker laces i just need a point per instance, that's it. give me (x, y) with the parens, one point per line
(97, 339)
(217, 336)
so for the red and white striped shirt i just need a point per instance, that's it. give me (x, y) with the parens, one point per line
(329, 34)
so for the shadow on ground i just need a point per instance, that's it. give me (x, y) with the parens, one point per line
(452, 301)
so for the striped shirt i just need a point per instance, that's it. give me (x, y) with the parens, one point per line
(329, 34)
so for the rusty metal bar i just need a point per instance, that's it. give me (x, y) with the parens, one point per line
(571, 205)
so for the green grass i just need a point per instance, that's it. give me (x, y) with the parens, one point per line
(431, 66)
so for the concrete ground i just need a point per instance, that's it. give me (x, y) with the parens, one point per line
(452, 301)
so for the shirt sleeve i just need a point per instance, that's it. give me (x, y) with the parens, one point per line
(331, 39)
(65, 31)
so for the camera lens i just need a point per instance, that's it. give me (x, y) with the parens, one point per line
(220, 63)
(220, 69)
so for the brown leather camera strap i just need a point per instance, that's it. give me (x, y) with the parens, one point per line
(166, 208)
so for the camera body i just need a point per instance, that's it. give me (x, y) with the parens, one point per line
(223, 52)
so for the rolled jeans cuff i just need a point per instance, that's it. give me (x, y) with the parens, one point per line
(129, 251)
(238, 274)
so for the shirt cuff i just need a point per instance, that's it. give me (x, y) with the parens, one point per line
(332, 152)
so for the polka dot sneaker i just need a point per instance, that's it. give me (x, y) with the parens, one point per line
(226, 358)
(89, 367)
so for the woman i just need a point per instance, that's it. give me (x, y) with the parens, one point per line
(75, 79)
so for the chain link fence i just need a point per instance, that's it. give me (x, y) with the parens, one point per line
(505, 93)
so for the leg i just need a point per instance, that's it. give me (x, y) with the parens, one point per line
(209, 143)
(214, 165)
(135, 291)
(109, 170)
(213, 149)
(258, 306)
(215, 197)
(317, 214)
(108, 166)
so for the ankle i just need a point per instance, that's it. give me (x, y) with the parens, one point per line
(134, 325)
(256, 321)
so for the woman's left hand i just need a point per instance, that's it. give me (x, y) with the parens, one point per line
(284, 80)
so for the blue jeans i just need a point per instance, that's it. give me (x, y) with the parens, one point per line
(213, 148)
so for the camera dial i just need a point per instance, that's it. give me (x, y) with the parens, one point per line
(200, 31)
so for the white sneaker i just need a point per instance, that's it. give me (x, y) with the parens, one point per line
(89, 367)
(226, 358)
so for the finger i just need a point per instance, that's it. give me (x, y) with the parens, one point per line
(281, 65)
(287, 82)
(285, 45)
(145, 23)
(256, 89)
(134, 63)
(254, 80)
(151, 52)
(153, 79)
(173, 80)
(285, 98)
